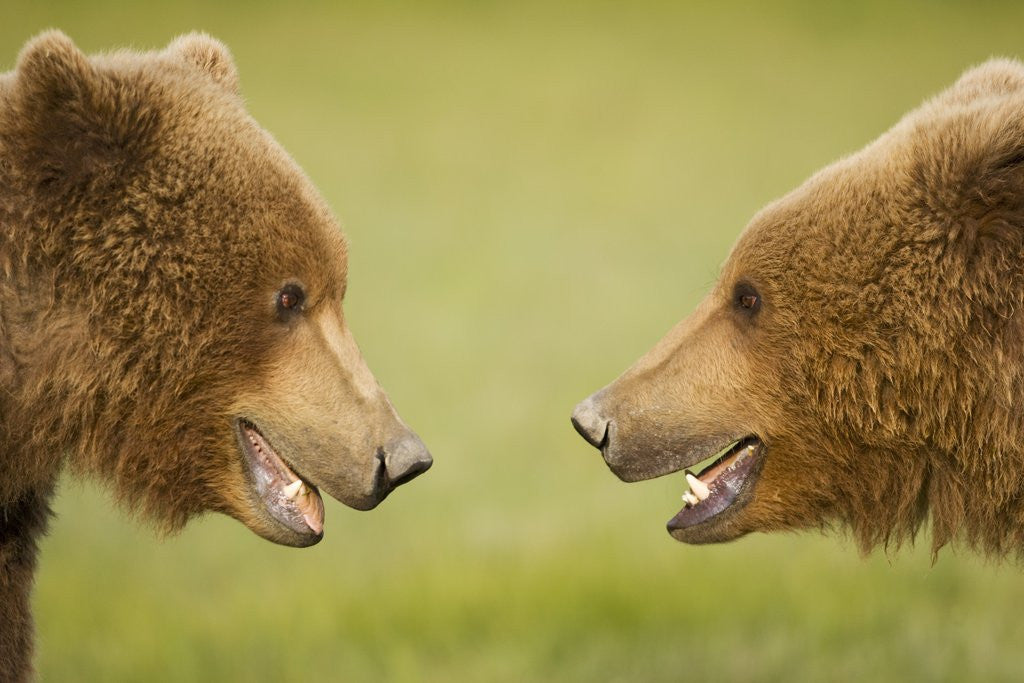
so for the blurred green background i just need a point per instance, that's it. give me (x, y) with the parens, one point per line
(534, 193)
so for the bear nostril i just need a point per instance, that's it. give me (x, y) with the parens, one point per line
(411, 474)
(589, 424)
(405, 460)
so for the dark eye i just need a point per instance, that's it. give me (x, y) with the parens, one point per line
(747, 298)
(289, 299)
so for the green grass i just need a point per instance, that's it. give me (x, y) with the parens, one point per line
(534, 193)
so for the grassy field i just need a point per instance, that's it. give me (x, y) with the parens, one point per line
(534, 193)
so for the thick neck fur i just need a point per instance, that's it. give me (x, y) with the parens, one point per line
(79, 262)
(115, 249)
(913, 374)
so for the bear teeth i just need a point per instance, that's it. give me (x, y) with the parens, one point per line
(699, 488)
(291, 499)
(293, 489)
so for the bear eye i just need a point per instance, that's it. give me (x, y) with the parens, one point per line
(289, 299)
(747, 298)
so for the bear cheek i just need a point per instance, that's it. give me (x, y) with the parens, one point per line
(701, 383)
(687, 397)
(321, 427)
(325, 414)
(794, 488)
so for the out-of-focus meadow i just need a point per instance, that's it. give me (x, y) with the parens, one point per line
(534, 193)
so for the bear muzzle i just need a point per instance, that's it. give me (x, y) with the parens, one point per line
(590, 424)
(720, 467)
(287, 490)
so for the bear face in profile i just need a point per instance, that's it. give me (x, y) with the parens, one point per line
(171, 320)
(171, 313)
(859, 361)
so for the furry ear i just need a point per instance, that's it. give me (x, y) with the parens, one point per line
(994, 78)
(209, 55)
(57, 118)
(52, 71)
(971, 136)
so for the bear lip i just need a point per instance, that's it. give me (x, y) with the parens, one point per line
(724, 484)
(287, 496)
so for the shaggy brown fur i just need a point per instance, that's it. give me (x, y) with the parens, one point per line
(148, 228)
(883, 360)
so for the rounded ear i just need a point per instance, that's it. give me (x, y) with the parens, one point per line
(996, 77)
(55, 120)
(209, 55)
(51, 71)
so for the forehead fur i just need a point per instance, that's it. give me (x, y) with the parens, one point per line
(940, 173)
(162, 139)
(164, 220)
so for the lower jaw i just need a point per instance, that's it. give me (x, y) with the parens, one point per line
(294, 527)
(719, 528)
(707, 511)
(288, 502)
(259, 520)
(289, 537)
(714, 519)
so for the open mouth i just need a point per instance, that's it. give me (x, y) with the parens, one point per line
(719, 484)
(289, 498)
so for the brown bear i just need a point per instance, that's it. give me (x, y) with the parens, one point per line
(171, 321)
(860, 360)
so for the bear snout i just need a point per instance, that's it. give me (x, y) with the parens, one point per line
(600, 431)
(404, 460)
(590, 424)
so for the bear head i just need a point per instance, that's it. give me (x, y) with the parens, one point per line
(858, 361)
(177, 284)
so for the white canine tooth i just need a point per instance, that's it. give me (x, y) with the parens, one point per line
(690, 499)
(699, 488)
(292, 489)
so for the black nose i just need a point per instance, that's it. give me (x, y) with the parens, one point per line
(589, 423)
(406, 459)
